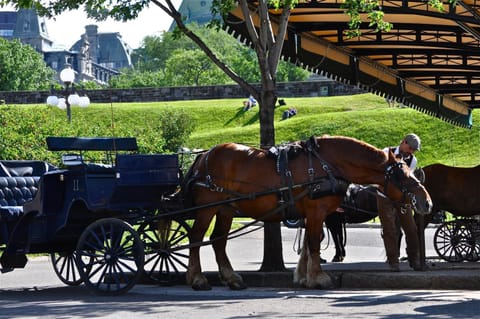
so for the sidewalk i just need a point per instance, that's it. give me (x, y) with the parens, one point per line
(364, 266)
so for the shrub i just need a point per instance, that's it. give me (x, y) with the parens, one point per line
(175, 127)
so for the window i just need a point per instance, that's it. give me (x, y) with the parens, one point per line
(6, 33)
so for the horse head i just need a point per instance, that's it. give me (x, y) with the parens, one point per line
(407, 190)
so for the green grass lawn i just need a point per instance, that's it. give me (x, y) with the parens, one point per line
(365, 116)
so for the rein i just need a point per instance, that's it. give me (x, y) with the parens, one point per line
(315, 187)
(233, 234)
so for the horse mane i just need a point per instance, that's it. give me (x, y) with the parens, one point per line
(187, 181)
(352, 146)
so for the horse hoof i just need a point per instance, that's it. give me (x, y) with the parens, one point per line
(237, 286)
(199, 287)
(394, 267)
(322, 281)
(417, 266)
(337, 259)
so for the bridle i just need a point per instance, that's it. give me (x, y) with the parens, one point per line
(394, 175)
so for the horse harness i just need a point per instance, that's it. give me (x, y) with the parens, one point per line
(392, 176)
(316, 187)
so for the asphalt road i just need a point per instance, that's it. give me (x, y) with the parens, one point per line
(364, 244)
(35, 292)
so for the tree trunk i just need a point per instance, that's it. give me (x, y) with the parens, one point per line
(267, 113)
(268, 50)
(272, 242)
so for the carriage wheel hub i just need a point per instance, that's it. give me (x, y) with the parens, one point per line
(110, 258)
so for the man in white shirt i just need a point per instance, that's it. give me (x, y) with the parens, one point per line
(392, 216)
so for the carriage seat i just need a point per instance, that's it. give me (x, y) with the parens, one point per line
(14, 192)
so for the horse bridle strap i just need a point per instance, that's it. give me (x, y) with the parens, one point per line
(312, 151)
(404, 188)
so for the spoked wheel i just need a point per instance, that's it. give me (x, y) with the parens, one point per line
(110, 256)
(66, 268)
(451, 241)
(163, 262)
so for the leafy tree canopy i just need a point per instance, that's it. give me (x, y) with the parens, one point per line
(177, 60)
(22, 68)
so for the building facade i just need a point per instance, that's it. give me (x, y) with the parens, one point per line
(96, 56)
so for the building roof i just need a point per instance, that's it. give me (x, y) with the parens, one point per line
(107, 48)
(428, 61)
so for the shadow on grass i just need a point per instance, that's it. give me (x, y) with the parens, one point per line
(241, 114)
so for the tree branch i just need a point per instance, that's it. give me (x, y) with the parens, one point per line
(172, 12)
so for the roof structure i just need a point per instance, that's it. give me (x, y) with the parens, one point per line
(429, 61)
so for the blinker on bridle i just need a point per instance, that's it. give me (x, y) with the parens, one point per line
(392, 176)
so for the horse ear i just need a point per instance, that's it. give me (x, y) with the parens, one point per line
(392, 157)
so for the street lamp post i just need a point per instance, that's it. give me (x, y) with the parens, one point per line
(70, 96)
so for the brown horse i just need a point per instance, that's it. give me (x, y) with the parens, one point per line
(453, 189)
(310, 181)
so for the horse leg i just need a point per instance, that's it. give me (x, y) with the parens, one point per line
(316, 277)
(194, 275)
(334, 225)
(390, 234)
(219, 235)
(300, 274)
(411, 238)
(339, 246)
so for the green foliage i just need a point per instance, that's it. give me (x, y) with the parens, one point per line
(193, 68)
(23, 129)
(155, 51)
(91, 85)
(22, 68)
(176, 127)
(133, 78)
(184, 64)
(354, 9)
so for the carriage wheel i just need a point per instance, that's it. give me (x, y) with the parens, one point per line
(451, 241)
(66, 268)
(110, 256)
(164, 264)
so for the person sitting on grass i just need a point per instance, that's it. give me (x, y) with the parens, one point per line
(289, 113)
(248, 104)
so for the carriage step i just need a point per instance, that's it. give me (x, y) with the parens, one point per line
(12, 261)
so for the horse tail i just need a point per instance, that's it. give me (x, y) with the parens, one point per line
(188, 181)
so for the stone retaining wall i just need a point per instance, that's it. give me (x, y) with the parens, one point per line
(285, 90)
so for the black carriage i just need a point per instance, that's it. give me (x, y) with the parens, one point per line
(458, 240)
(100, 222)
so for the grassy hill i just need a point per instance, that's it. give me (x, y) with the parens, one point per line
(366, 117)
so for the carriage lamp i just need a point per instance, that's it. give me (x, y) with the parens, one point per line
(70, 96)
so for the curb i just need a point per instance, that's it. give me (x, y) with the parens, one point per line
(466, 279)
(373, 275)
(443, 276)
